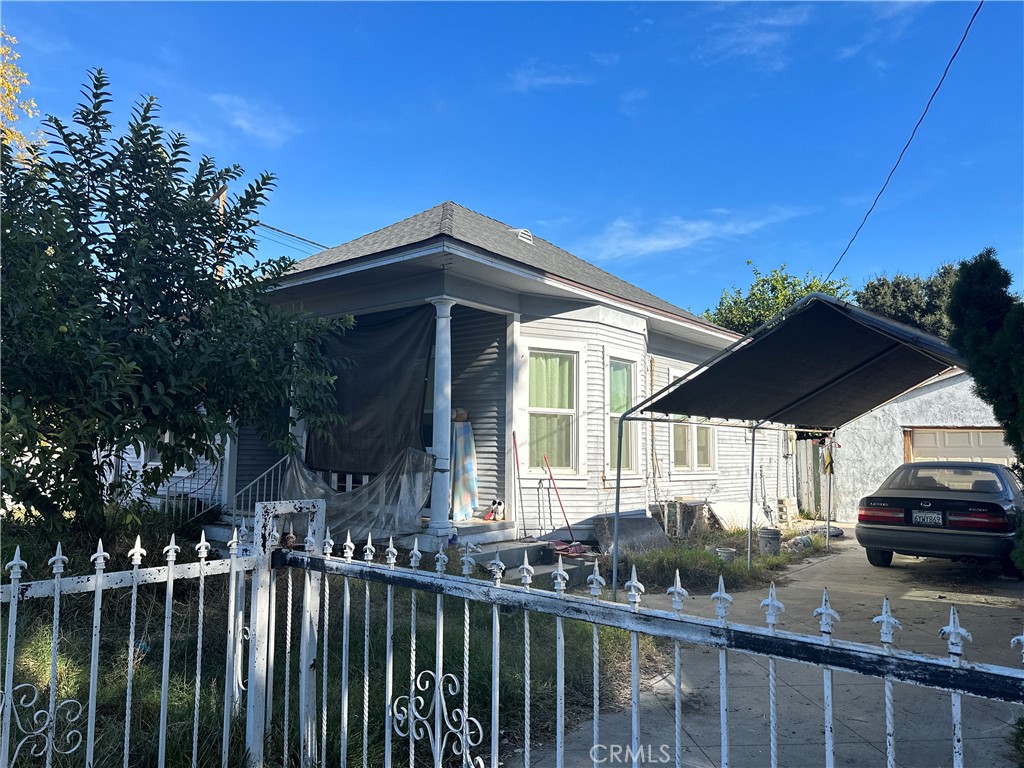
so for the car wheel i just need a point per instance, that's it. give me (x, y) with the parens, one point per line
(880, 557)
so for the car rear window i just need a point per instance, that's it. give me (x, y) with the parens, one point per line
(944, 479)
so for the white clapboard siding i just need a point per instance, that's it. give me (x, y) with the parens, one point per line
(478, 385)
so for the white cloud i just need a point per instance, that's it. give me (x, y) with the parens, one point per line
(605, 59)
(886, 25)
(262, 122)
(630, 99)
(757, 35)
(534, 75)
(625, 239)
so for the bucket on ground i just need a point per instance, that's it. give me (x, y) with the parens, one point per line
(770, 540)
(728, 554)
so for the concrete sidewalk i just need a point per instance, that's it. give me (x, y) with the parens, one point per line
(920, 592)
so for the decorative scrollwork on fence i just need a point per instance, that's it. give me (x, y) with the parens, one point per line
(460, 731)
(34, 723)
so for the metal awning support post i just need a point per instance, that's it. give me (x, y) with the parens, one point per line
(618, 498)
(750, 512)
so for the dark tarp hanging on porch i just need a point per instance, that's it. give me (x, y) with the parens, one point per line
(821, 364)
(381, 394)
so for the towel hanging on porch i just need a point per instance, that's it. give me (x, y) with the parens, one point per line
(464, 478)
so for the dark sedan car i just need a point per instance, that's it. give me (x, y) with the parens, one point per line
(960, 510)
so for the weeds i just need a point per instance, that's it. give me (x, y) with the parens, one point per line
(700, 568)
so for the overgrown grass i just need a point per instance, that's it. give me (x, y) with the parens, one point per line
(1017, 741)
(700, 568)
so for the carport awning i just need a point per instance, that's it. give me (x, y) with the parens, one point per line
(818, 365)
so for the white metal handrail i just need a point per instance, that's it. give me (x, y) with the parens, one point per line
(185, 498)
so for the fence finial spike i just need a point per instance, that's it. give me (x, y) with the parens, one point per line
(415, 555)
(171, 550)
(497, 568)
(955, 633)
(773, 607)
(233, 543)
(826, 613)
(390, 553)
(634, 589)
(16, 563)
(677, 593)
(467, 560)
(58, 561)
(100, 558)
(889, 622)
(596, 582)
(559, 577)
(1018, 640)
(369, 550)
(348, 549)
(721, 599)
(526, 571)
(328, 542)
(137, 552)
(440, 561)
(203, 547)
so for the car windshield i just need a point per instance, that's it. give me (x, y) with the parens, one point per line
(911, 478)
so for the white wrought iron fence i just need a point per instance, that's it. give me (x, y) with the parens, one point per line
(426, 703)
(356, 660)
(42, 722)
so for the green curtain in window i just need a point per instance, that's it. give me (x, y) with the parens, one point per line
(620, 386)
(551, 436)
(681, 446)
(551, 380)
(552, 386)
(704, 447)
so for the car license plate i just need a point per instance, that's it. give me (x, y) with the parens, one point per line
(926, 518)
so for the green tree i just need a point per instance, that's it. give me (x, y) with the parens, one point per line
(913, 300)
(132, 309)
(767, 296)
(988, 332)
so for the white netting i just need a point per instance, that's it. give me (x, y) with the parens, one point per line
(389, 505)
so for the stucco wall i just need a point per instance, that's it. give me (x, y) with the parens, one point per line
(872, 446)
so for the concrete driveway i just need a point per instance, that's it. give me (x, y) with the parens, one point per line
(920, 592)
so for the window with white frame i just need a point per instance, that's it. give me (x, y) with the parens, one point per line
(621, 377)
(552, 409)
(693, 446)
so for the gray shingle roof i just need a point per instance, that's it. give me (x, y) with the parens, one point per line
(459, 223)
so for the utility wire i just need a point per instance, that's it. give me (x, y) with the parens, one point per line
(294, 246)
(907, 145)
(293, 236)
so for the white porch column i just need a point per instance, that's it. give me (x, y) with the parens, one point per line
(439, 489)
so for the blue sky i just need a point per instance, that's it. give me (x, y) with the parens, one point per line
(668, 143)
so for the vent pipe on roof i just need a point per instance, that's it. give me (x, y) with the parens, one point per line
(524, 234)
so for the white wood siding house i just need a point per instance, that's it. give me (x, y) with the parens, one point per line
(543, 346)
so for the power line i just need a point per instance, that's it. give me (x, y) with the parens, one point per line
(907, 145)
(294, 246)
(294, 236)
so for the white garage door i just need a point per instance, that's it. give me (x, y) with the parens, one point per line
(959, 445)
